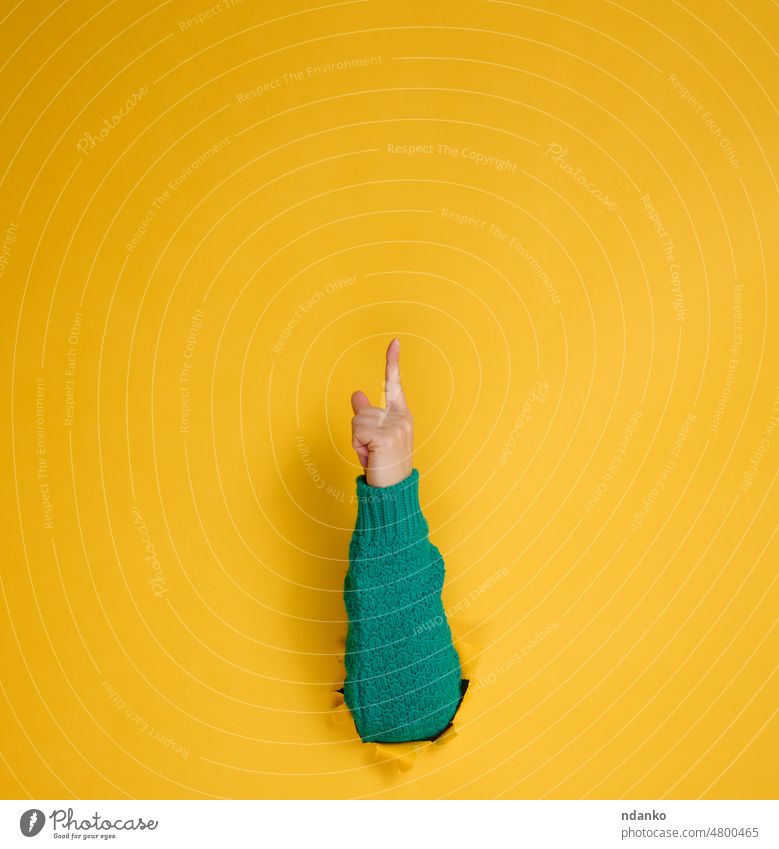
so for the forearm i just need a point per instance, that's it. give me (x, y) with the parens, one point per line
(403, 672)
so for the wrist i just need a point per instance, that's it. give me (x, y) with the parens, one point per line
(390, 510)
(389, 474)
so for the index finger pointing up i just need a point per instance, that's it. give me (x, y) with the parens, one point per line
(394, 391)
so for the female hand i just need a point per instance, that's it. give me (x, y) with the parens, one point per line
(384, 438)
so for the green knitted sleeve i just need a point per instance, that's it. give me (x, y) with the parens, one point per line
(402, 671)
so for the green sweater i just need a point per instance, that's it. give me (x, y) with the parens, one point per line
(402, 671)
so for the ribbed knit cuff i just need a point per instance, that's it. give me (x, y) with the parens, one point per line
(390, 510)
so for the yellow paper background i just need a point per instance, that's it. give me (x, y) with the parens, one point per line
(566, 363)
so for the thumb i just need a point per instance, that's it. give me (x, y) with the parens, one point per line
(359, 401)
